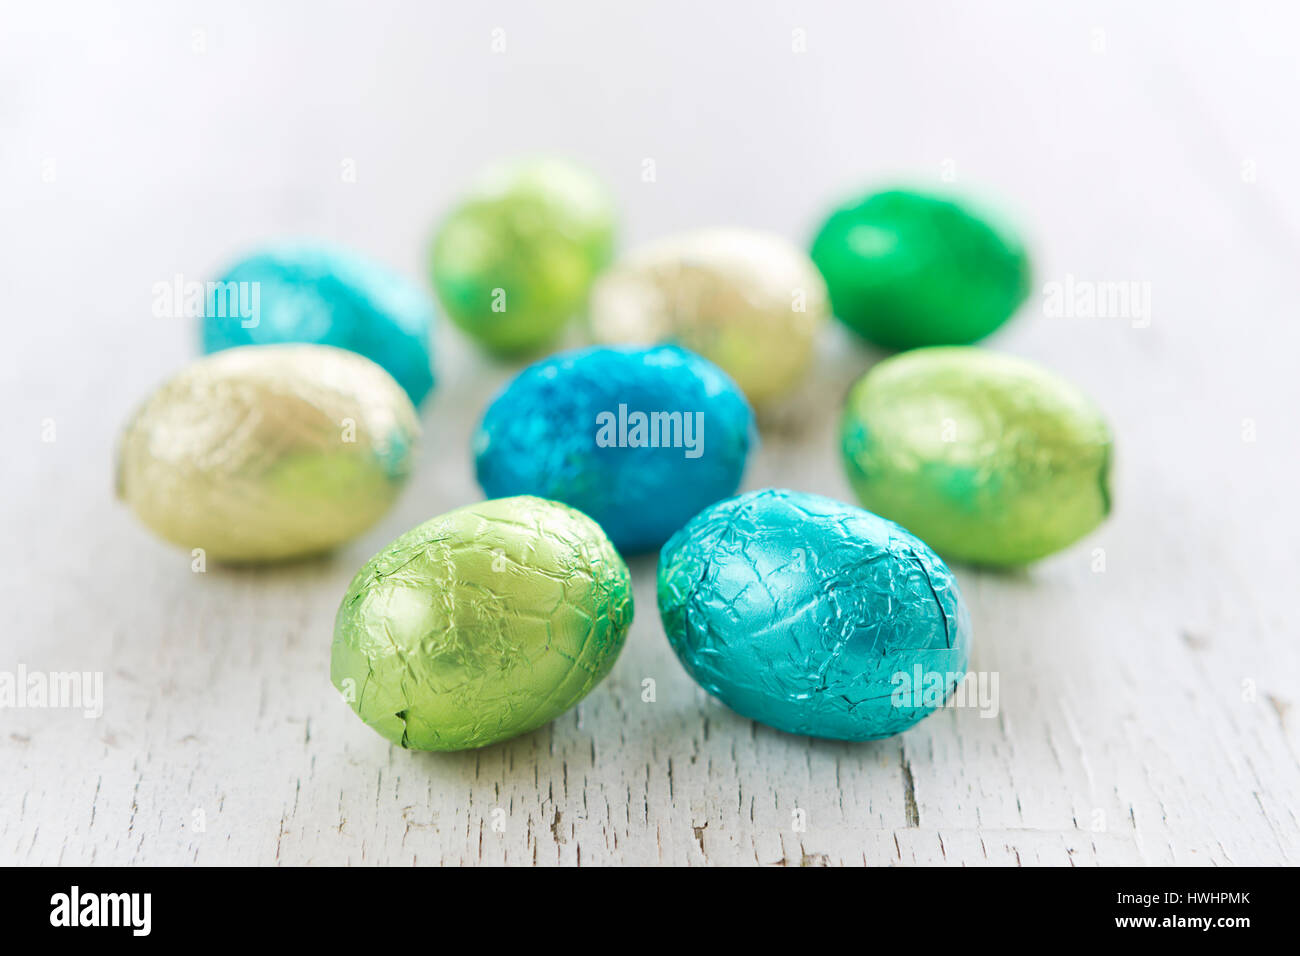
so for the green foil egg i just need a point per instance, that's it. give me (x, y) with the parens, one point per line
(906, 269)
(989, 459)
(513, 262)
(481, 624)
(268, 452)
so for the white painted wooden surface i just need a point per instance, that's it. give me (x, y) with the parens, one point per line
(1148, 713)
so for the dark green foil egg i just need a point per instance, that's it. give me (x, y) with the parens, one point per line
(988, 459)
(906, 269)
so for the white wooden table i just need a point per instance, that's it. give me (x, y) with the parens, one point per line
(1148, 711)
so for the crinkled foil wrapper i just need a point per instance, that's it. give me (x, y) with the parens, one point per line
(750, 302)
(906, 269)
(264, 453)
(482, 624)
(313, 293)
(987, 458)
(513, 262)
(801, 612)
(541, 436)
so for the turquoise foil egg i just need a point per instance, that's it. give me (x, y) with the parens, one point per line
(813, 616)
(320, 294)
(638, 439)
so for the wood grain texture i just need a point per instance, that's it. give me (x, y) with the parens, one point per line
(1147, 711)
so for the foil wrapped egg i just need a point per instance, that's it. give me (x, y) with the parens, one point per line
(513, 262)
(750, 302)
(307, 292)
(988, 458)
(813, 616)
(264, 453)
(481, 624)
(639, 439)
(905, 269)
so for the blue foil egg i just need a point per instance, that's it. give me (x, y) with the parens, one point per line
(637, 439)
(813, 616)
(319, 294)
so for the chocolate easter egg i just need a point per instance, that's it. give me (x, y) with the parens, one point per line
(310, 292)
(639, 439)
(988, 458)
(481, 624)
(906, 269)
(750, 302)
(813, 616)
(514, 260)
(263, 453)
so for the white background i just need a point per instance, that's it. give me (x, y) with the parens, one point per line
(1148, 712)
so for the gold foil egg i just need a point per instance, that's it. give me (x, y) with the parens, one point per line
(268, 452)
(750, 302)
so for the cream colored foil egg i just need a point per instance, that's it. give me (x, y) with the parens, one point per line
(750, 302)
(268, 452)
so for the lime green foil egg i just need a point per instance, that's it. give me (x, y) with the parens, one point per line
(268, 452)
(906, 269)
(513, 262)
(987, 458)
(481, 624)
